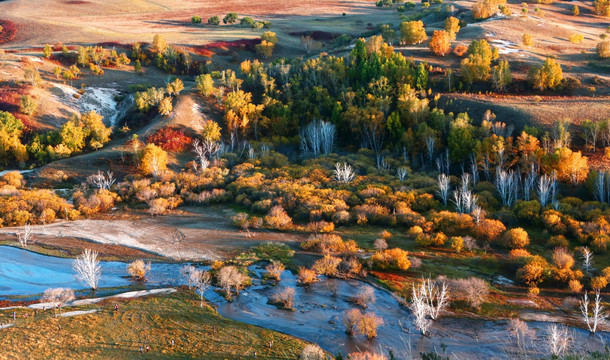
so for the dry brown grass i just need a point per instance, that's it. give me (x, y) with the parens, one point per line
(155, 321)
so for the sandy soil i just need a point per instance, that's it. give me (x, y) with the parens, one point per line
(208, 234)
(42, 21)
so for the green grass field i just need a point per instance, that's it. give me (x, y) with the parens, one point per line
(153, 321)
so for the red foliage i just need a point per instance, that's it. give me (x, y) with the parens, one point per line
(9, 30)
(170, 139)
(10, 97)
(225, 46)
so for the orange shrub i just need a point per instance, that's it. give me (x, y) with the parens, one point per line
(488, 229)
(328, 243)
(396, 259)
(460, 50)
(516, 238)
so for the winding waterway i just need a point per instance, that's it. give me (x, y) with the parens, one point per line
(319, 311)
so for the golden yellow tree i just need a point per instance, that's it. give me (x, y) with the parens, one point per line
(440, 44)
(412, 32)
(154, 160)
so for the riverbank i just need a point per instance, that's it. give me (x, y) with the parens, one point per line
(153, 321)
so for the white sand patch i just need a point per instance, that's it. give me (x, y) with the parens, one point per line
(79, 312)
(505, 46)
(101, 100)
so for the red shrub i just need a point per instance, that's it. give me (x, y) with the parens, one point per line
(170, 139)
(9, 30)
(10, 97)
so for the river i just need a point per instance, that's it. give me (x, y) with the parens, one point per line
(318, 315)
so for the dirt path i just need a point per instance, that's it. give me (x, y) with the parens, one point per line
(208, 234)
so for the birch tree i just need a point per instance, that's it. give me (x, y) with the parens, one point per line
(558, 340)
(88, 268)
(25, 236)
(594, 315)
(58, 297)
(318, 138)
(344, 173)
(201, 281)
(443, 188)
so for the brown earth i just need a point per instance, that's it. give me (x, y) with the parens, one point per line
(206, 234)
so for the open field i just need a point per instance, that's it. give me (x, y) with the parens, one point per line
(207, 235)
(153, 321)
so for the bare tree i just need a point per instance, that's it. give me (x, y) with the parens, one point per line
(102, 181)
(597, 314)
(25, 236)
(478, 214)
(419, 307)
(465, 201)
(401, 173)
(58, 297)
(473, 290)
(365, 296)
(507, 185)
(430, 142)
(381, 244)
(587, 259)
(558, 340)
(528, 184)
(318, 138)
(437, 296)
(275, 270)
(344, 173)
(312, 352)
(547, 185)
(88, 268)
(201, 281)
(285, 297)
(443, 188)
(230, 277)
(186, 272)
(602, 186)
(522, 333)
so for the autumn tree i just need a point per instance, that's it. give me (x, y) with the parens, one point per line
(175, 87)
(527, 40)
(205, 84)
(166, 106)
(603, 49)
(477, 67)
(47, 51)
(516, 238)
(154, 160)
(452, 26)
(547, 76)
(486, 8)
(569, 165)
(265, 49)
(10, 139)
(501, 75)
(28, 105)
(440, 44)
(412, 32)
(602, 7)
(159, 45)
(96, 132)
